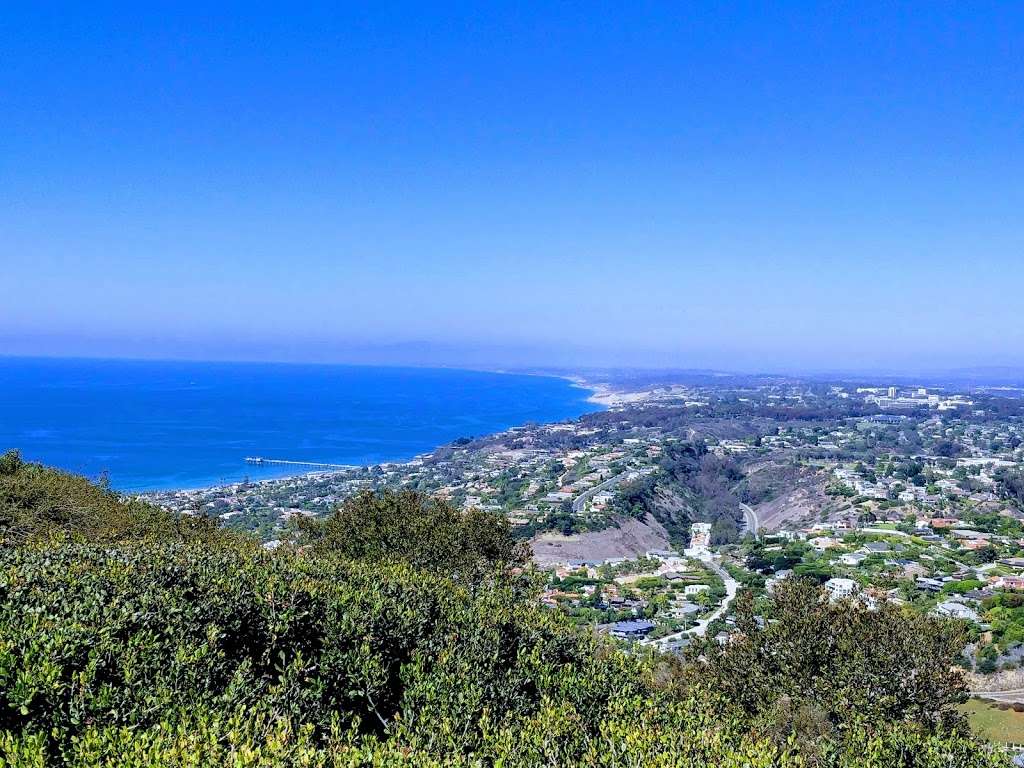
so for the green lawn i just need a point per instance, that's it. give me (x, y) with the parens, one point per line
(995, 724)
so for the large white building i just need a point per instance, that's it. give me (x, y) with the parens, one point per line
(700, 539)
(840, 588)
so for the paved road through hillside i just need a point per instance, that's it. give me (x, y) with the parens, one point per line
(701, 627)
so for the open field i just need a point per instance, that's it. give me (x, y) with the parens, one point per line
(995, 724)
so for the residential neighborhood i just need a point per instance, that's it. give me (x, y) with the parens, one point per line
(646, 512)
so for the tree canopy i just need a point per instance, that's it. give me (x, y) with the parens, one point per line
(410, 527)
(816, 667)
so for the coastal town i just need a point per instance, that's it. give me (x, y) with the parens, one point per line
(512, 385)
(651, 513)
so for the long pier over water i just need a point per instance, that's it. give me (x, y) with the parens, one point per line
(260, 460)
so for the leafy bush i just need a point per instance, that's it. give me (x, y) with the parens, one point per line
(424, 532)
(817, 668)
(121, 638)
(402, 632)
(38, 503)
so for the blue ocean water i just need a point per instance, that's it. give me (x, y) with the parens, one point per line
(158, 425)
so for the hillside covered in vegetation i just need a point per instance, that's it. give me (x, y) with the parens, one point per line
(401, 631)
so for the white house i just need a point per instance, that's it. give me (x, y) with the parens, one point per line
(840, 588)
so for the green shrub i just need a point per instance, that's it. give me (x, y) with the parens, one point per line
(410, 527)
(404, 633)
(38, 504)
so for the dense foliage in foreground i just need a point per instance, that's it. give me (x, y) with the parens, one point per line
(132, 640)
(38, 503)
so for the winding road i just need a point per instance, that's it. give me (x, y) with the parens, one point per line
(752, 524)
(701, 627)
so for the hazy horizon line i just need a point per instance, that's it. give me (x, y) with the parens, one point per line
(556, 370)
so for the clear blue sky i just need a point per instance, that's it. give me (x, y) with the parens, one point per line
(735, 185)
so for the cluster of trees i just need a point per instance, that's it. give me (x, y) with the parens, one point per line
(615, 425)
(1011, 484)
(947, 449)
(401, 631)
(1005, 611)
(426, 533)
(817, 669)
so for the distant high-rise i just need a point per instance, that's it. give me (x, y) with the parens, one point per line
(892, 393)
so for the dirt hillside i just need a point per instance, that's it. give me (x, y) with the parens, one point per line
(630, 539)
